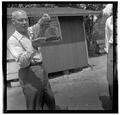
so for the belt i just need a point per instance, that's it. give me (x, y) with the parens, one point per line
(34, 64)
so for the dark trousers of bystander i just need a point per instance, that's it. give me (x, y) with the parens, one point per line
(110, 76)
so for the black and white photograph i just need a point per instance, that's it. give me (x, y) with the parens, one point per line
(59, 57)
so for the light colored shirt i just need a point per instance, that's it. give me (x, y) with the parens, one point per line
(21, 47)
(108, 33)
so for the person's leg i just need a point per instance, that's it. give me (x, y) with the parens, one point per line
(49, 98)
(110, 70)
(32, 84)
(33, 98)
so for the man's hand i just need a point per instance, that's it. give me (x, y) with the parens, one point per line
(24, 59)
(44, 20)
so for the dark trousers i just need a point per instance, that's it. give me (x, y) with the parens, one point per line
(110, 76)
(36, 88)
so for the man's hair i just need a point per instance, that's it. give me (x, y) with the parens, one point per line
(108, 9)
(14, 13)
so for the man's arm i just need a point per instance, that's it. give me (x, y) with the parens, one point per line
(36, 29)
(107, 35)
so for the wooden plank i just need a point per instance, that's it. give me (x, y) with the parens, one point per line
(12, 67)
(12, 76)
(59, 11)
(65, 56)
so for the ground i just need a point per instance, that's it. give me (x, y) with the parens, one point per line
(82, 90)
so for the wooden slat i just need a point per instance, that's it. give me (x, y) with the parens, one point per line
(12, 76)
(65, 56)
(12, 67)
(64, 11)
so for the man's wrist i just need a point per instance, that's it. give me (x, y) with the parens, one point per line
(40, 22)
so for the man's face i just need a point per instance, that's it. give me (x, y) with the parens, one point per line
(21, 22)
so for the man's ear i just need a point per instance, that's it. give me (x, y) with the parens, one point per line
(13, 21)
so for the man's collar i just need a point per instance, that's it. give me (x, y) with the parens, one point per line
(17, 35)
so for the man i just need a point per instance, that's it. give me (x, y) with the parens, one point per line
(109, 50)
(108, 26)
(108, 32)
(109, 47)
(32, 76)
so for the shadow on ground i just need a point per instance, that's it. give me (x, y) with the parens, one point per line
(67, 72)
(106, 102)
